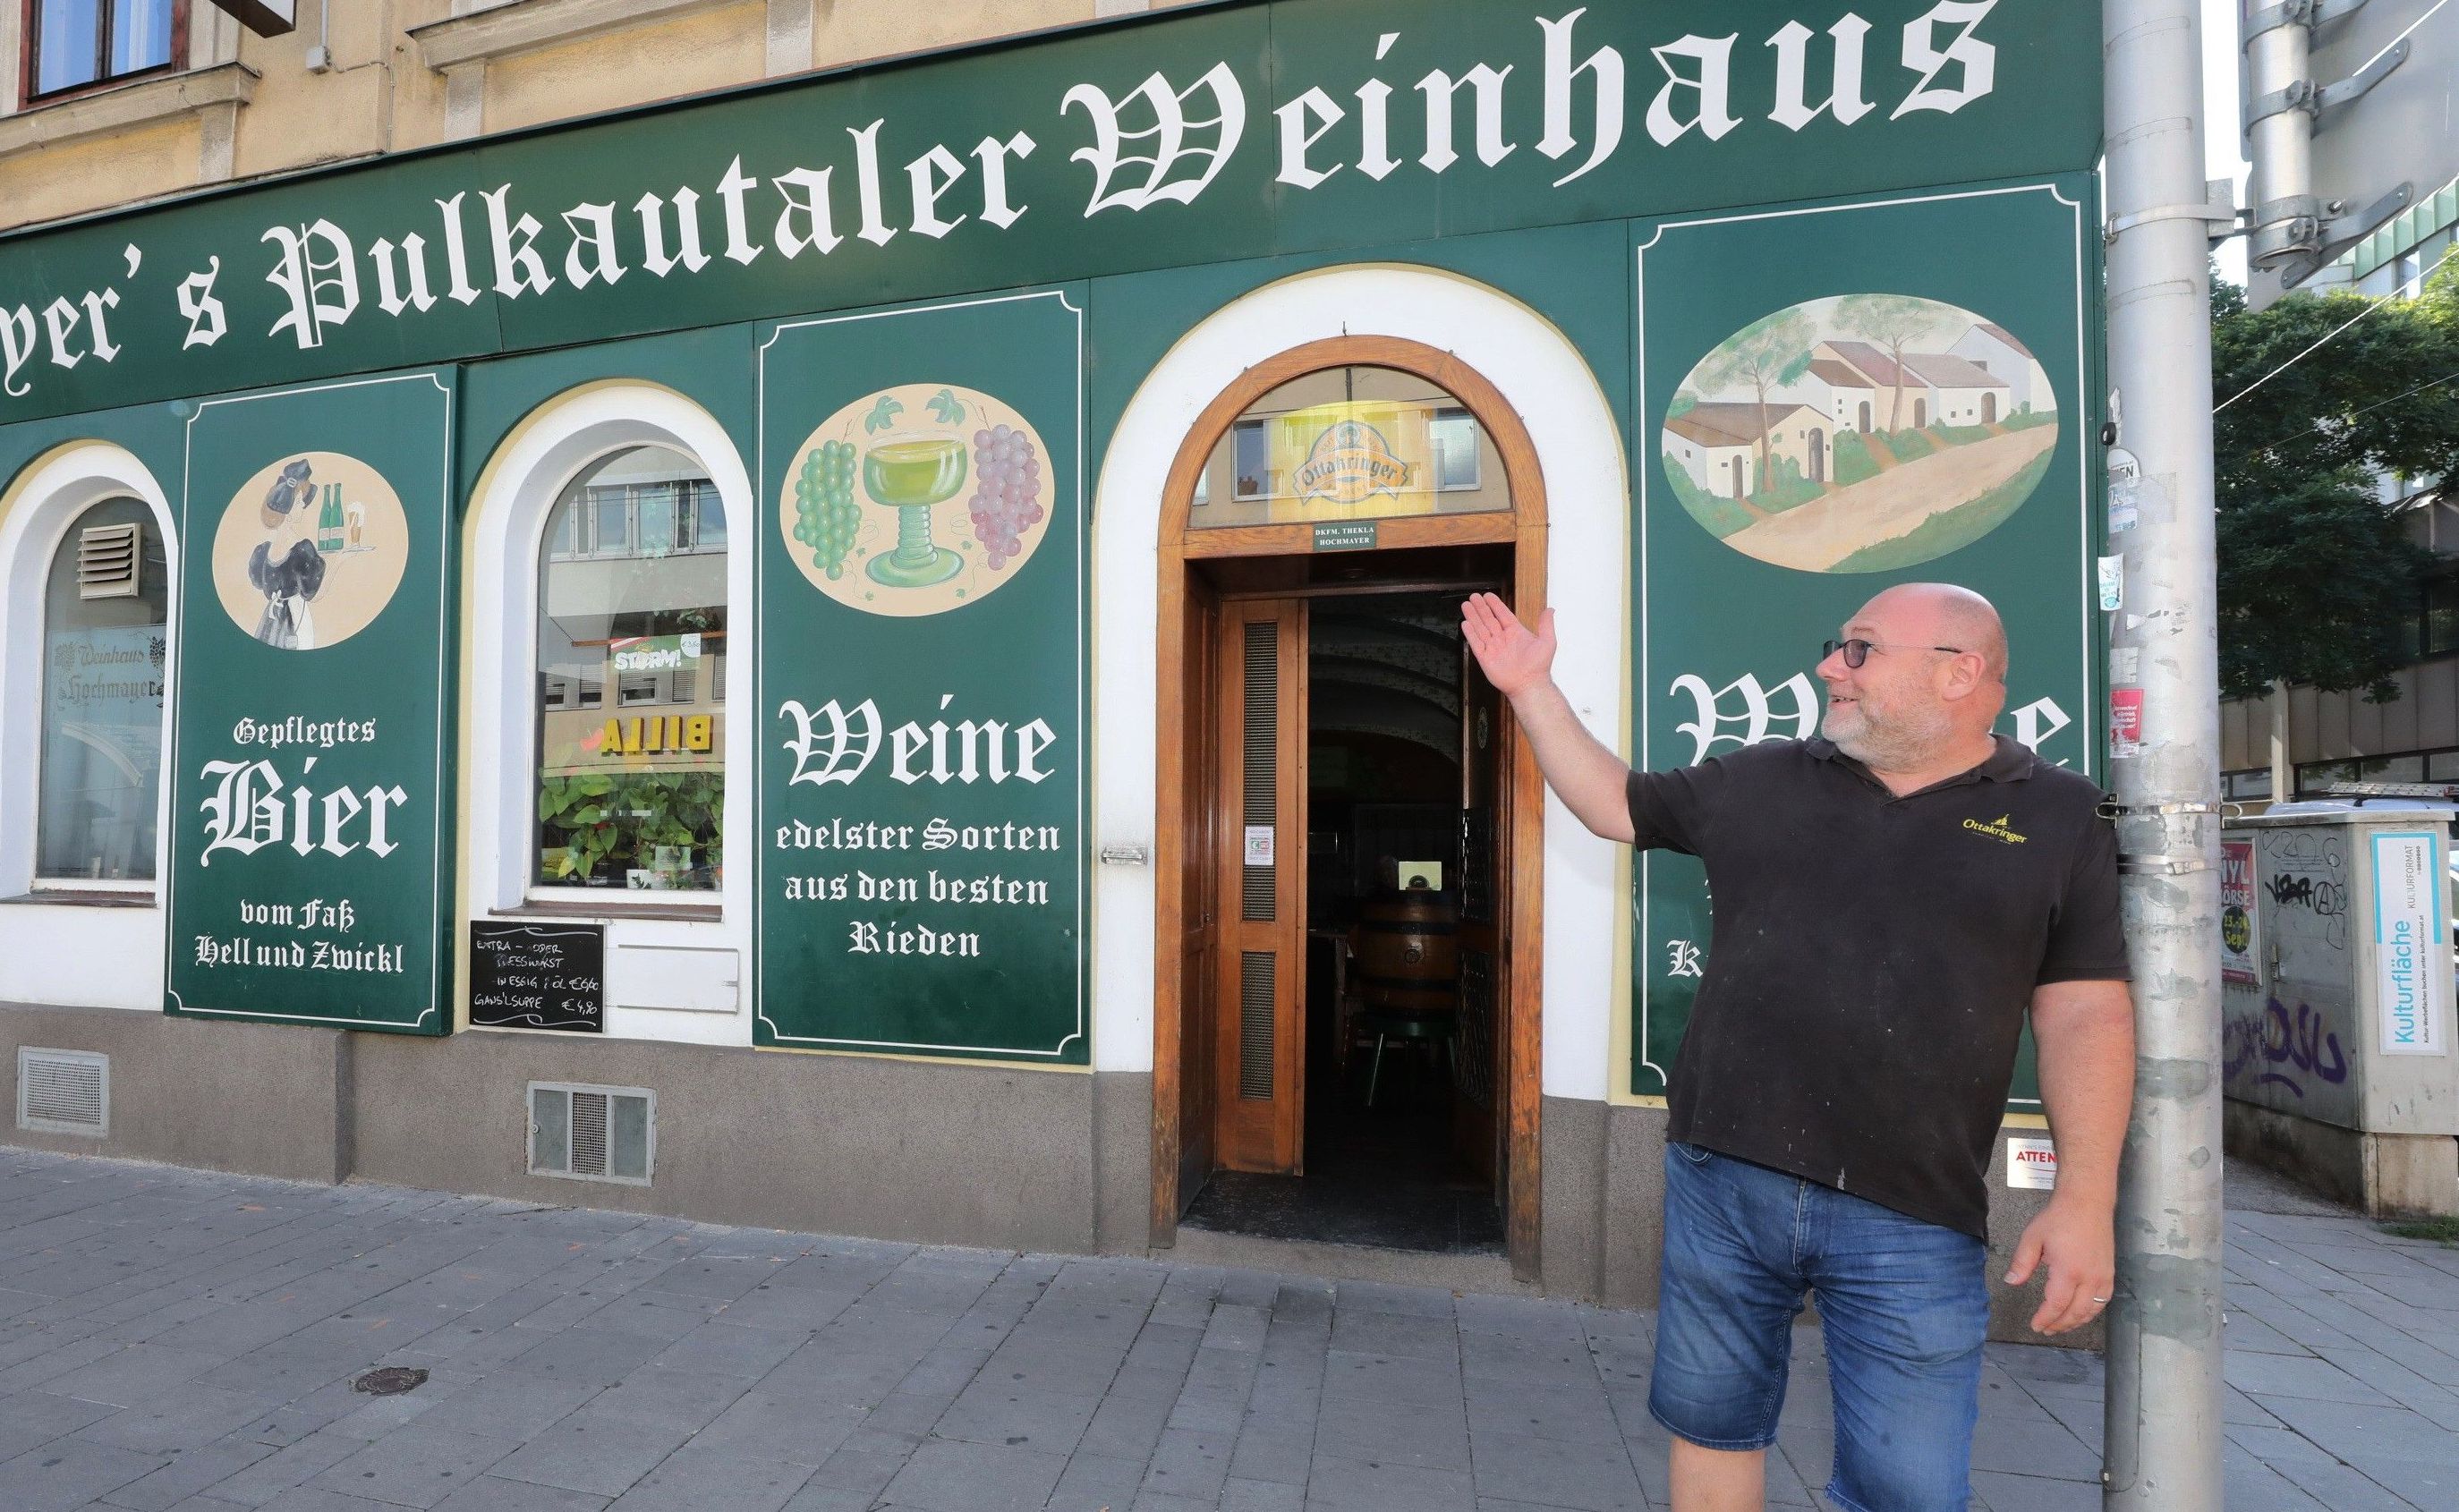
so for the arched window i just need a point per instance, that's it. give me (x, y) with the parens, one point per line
(106, 600)
(631, 631)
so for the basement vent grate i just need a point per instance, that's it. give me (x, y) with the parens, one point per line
(593, 1133)
(109, 560)
(63, 1091)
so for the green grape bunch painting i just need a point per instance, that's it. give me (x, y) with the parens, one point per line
(915, 500)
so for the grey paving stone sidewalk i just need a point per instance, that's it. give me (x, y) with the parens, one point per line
(188, 1340)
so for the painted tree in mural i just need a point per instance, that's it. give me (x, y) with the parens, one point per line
(2319, 574)
(1763, 356)
(1894, 322)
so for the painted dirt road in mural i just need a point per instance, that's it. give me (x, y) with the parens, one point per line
(1826, 533)
(1860, 434)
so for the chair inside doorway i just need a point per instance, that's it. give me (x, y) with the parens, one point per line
(1399, 1140)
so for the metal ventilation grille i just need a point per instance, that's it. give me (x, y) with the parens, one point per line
(1263, 750)
(589, 1133)
(63, 1091)
(109, 560)
(592, 1133)
(1256, 970)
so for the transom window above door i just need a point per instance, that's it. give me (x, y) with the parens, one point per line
(1351, 443)
(74, 42)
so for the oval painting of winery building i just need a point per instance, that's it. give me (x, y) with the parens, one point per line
(1862, 433)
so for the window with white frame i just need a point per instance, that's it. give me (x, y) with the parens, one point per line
(106, 602)
(76, 43)
(631, 645)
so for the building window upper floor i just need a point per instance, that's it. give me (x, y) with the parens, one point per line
(73, 44)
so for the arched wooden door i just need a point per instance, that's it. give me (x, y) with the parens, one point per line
(1211, 650)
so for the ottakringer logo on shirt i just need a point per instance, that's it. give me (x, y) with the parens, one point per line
(1996, 829)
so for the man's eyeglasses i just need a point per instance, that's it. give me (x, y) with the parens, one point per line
(1857, 652)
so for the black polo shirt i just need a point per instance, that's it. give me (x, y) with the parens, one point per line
(1873, 957)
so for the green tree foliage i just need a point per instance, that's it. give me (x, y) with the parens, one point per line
(2318, 579)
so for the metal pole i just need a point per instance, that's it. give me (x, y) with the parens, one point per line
(2287, 220)
(2283, 769)
(2164, 1394)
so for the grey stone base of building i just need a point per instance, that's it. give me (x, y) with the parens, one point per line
(922, 1152)
(891, 1149)
(2384, 1175)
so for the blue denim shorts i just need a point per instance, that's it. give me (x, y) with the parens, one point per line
(1905, 1306)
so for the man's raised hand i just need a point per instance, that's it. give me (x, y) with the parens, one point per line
(1514, 658)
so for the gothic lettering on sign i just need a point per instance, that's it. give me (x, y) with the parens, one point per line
(1744, 712)
(1168, 140)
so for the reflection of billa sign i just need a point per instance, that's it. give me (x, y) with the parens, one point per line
(1349, 464)
(659, 735)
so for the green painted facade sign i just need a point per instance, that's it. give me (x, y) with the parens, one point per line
(922, 847)
(1209, 134)
(1831, 267)
(1832, 398)
(308, 765)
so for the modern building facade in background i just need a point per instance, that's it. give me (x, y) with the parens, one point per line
(874, 648)
(2403, 131)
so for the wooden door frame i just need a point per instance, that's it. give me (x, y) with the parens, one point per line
(1524, 529)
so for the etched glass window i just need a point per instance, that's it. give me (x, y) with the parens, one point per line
(1351, 443)
(104, 607)
(631, 648)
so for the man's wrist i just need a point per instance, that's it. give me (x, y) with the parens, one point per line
(2099, 1195)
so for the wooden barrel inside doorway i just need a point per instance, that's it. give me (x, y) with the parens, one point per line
(1408, 953)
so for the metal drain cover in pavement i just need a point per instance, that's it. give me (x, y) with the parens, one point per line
(391, 1380)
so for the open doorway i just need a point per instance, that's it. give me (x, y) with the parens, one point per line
(1322, 521)
(1360, 768)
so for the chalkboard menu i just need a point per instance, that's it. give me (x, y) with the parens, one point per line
(537, 976)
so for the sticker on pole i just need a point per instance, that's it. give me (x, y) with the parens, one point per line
(2124, 721)
(2239, 925)
(2032, 1165)
(2412, 973)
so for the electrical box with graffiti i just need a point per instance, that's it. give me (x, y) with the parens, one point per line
(2337, 960)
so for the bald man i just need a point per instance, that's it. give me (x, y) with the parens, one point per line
(1890, 901)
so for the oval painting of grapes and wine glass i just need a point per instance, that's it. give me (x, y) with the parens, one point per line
(1863, 433)
(915, 500)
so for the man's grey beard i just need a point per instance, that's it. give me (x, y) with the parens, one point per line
(1899, 743)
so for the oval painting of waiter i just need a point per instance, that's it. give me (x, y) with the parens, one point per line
(311, 550)
(1863, 433)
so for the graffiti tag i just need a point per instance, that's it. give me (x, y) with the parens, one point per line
(2260, 1043)
(2323, 896)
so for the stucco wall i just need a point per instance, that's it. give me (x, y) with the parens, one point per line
(377, 89)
